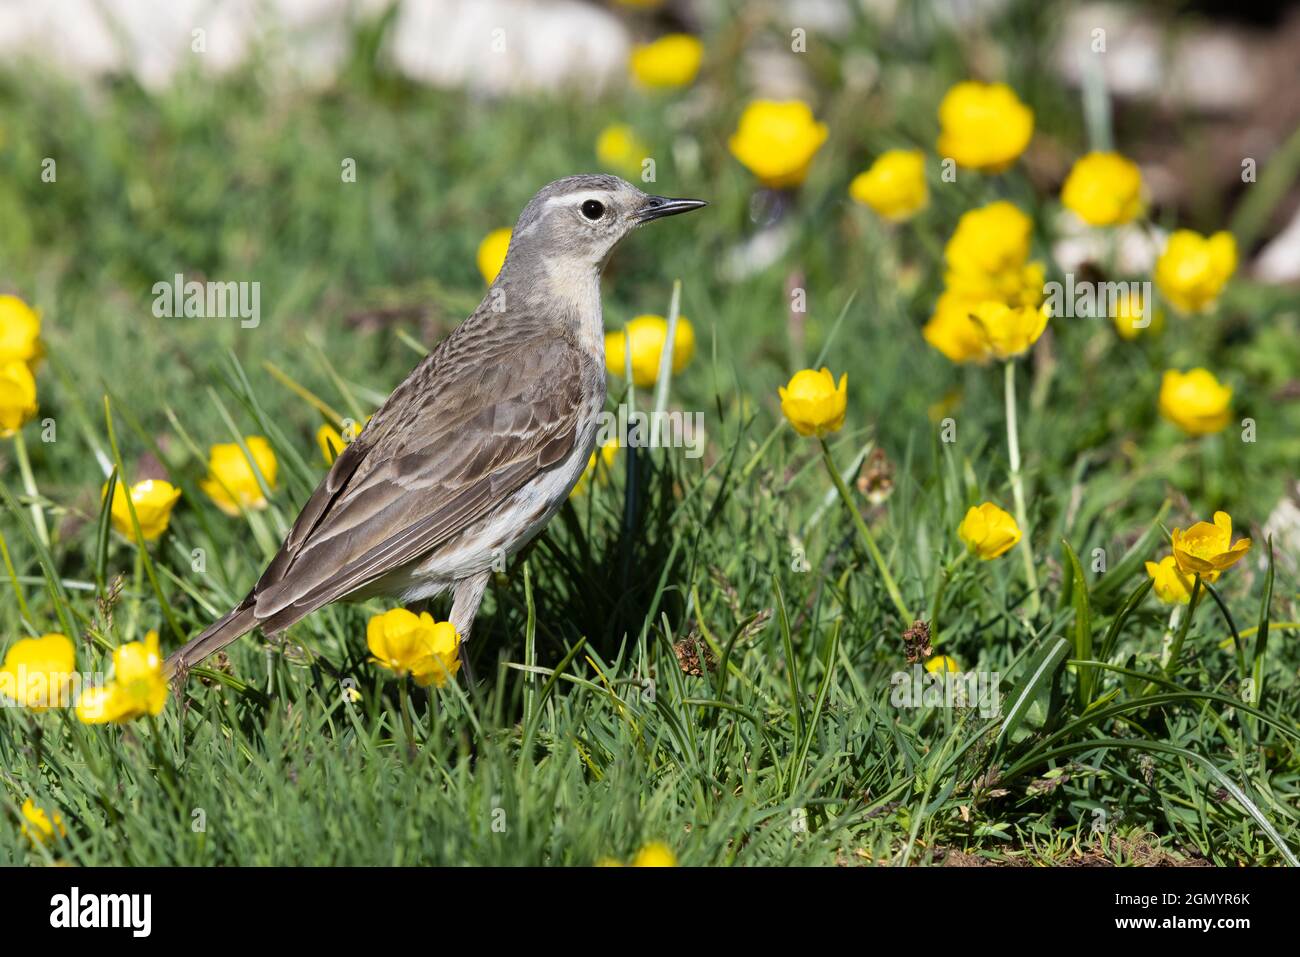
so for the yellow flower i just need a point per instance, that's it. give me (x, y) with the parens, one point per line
(1020, 285)
(1171, 585)
(40, 827)
(492, 253)
(894, 186)
(1103, 189)
(776, 141)
(984, 126)
(1193, 269)
(619, 148)
(813, 403)
(655, 854)
(647, 335)
(20, 331)
(1010, 331)
(989, 240)
(17, 396)
(988, 531)
(1195, 401)
(942, 663)
(953, 332)
(37, 671)
(231, 481)
(137, 686)
(670, 61)
(607, 452)
(153, 500)
(330, 442)
(1207, 549)
(1128, 314)
(415, 645)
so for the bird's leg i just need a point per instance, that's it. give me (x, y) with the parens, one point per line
(465, 599)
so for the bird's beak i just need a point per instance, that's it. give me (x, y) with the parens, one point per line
(657, 207)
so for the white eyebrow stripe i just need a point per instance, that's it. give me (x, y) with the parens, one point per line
(569, 199)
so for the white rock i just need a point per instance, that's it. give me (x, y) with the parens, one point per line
(1279, 261)
(1077, 244)
(449, 43)
(509, 46)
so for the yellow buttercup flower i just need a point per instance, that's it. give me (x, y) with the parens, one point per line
(137, 686)
(953, 332)
(37, 671)
(1206, 549)
(20, 331)
(600, 473)
(1103, 189)
(655, 854)
(942, 663)
(1172, 586)
(1195, 401)
(989, 240)
(1008, 331)
(894, 186)
(153, 500)
(17, 396)
(813, 403)
(330, 442)
(984, 126)
(1020, 285)
(39, 827)
(619, 148)
(988, 531)
(647, 335)
(492, 253)
(231, 481)
(409, 644)
(1193, 269)
(670, 61)
(776, 141)
(1129, 319)
(991, 305)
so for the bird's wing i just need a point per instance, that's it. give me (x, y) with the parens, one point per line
(447, 446)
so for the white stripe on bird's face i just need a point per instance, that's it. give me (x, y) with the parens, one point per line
(578, 197)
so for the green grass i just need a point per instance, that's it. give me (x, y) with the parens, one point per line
(583, 739)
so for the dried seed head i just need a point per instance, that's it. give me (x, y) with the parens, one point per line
(916, 642)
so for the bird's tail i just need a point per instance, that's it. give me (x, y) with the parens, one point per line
(238, 622)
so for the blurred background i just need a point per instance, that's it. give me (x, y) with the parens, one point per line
(213, 138)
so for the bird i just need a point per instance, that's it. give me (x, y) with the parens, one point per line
(474, 451)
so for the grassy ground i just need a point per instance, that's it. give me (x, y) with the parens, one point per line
(585, 737)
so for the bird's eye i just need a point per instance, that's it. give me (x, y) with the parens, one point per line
(593, 209)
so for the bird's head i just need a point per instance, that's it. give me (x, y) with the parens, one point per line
(577, 221)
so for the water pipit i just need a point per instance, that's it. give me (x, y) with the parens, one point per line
(477, 448)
